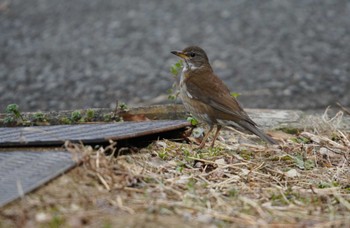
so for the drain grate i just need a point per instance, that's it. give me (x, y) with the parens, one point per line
(22, 171)
(86, 133)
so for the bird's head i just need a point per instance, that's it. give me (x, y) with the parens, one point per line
(194, 57)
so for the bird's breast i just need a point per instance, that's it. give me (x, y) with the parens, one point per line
(184, 76)
(198, 109)
(184, 93)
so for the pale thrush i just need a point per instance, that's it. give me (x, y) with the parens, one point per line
(208, 99)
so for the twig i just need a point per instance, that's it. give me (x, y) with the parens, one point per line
(341, 200)
(347, 111)
(104, 182)
(322, 140)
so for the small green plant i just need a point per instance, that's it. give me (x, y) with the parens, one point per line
(39, 117)
(56, 221)
(246, 154)
(180, 167)
(75, 116)
(232, 192)
(90, 114)
(290, 130)
(107, 117)
(235, 95)
(302, 163)
(192, 120)
(175, 70)
(162, 155)
(123, 107)
(187, 154)
(88, 117)
(191, 184)
(215, 151)
(9, 119)
(13, 114)
(324, 185)
(301, 139)
(347, 189)
(172, 95)
(304, 140)
(14, 109)
(65, 120)
(309, 164)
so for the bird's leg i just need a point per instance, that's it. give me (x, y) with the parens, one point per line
(206, 137)
(218, 128)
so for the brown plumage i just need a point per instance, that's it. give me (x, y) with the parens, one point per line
(208, 99)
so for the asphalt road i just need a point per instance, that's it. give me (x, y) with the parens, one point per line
(78, 54)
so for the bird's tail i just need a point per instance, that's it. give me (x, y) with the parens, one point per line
(253, 129)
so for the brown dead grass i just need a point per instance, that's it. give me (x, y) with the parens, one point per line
(303, 182)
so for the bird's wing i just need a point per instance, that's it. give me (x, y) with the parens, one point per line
(217, 95)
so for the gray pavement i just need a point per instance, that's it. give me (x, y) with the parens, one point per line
(77, 54)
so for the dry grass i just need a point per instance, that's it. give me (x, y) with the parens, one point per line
(303, 182)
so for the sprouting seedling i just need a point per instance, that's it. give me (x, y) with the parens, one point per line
(39, 116)
(235, 95)
(176, 68)
(192, 120)
(90, 114)
(14, 109)
(123, 107)
(175, 71)
(75, 116)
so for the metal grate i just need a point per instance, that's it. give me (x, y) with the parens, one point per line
(22, 171)
(86, 133)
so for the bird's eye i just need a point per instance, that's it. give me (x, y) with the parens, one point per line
(192, 54)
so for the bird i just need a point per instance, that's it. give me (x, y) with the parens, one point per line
(208, 99)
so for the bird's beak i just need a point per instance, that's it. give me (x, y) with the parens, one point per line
(180, 54)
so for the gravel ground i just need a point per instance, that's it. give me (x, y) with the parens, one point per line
(84, 53)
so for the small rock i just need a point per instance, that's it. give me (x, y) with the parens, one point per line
(161, 144)
(42, 217)
(220, 161)
(292, 173)
(205, 218)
